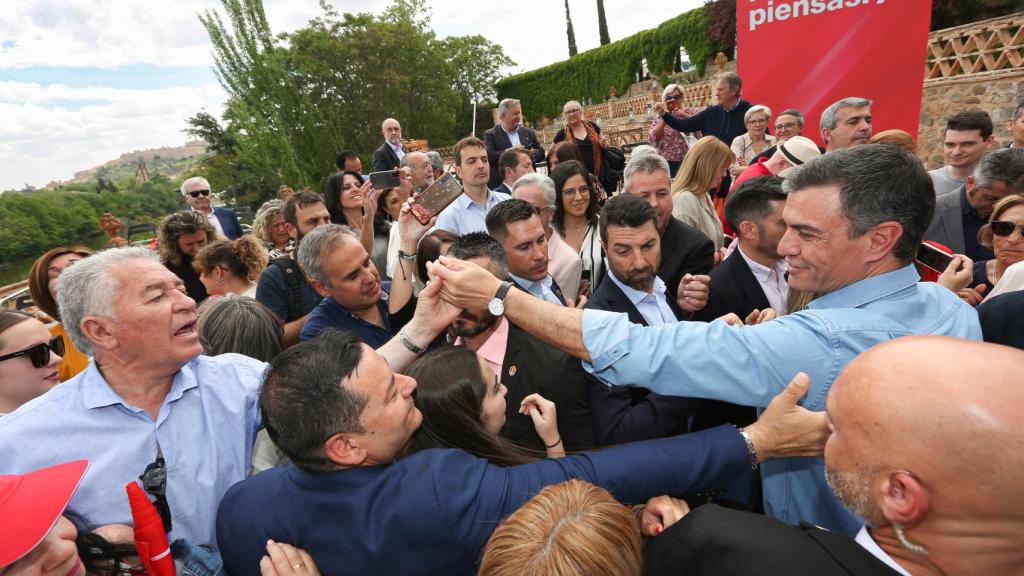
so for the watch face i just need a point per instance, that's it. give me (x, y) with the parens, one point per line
(496, 307)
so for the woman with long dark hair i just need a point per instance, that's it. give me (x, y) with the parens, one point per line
(575, 218)
(463, 406)
(352, 202)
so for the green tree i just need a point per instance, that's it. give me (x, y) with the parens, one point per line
(296, 99)
(602, 24)
(569, 32)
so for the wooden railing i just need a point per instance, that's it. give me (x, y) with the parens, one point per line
(992, 47)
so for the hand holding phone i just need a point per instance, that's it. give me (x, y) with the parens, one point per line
(933, 258)
(436, 198)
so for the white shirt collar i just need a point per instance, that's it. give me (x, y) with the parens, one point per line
(868, 543)
(762, 272)
(637, 296)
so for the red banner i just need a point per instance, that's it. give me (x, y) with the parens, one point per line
(806, 54)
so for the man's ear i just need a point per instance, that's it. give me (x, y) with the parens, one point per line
(904, 499)
(748, 230)
(319, 287)
(883, 238)
(292, 231)
(344, 450)
(98, 330)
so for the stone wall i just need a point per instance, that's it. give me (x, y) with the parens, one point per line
(943, 98)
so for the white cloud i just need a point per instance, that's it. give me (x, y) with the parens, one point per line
(43, 143)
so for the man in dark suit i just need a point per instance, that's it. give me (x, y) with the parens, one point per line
(196, 191)
(524, 364)
(336, 409)
(904, 453)
(390, 153)
(684, 249)
(508, 133)
(629, 235)
(960, 214)
(753, 277)
(513, 164)
(516, 225)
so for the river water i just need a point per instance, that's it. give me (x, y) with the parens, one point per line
(16, 271)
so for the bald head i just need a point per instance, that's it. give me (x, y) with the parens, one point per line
(929, 412)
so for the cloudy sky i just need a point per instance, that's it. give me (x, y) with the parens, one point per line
(82, 81)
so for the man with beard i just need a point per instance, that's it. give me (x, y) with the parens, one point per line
(753, 277)
(391, 151)
(282, 286)
(935, 468)
(629, 236)
(524, 364)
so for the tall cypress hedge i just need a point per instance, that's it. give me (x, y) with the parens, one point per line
(591, 73)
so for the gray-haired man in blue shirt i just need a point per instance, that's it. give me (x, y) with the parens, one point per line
(855, 219)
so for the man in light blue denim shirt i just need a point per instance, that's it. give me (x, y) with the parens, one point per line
(855, 219)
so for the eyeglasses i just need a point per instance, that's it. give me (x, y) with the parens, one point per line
(785, 126)
(570, 112)
(999, 228)
(40, 353)
(198, 193)
(758, 121)
(571, 192)
(154, 482)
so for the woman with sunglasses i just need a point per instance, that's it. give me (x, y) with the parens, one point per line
(29, 356)
(1004, 234)
(42, 286)
(575, 220)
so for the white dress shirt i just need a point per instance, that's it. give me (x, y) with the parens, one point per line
(864, 539)
(773, 282)
(541, 288)
(653, 307)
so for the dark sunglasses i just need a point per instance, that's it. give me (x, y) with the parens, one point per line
(40, 353)
(198, 193)
(154, 482)
(1005, 227)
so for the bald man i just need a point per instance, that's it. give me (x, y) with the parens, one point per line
(929, 453)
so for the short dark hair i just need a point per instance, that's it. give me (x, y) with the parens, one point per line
(879, 183)
(752, 200)
(505, 213)
(480, 244)
(300, 199)
(304, 400)
(345, 156)
(971, 120)
(1017, 112)
(627, 210)
(508, 160)
(429, 250)
(467, 141)
(561, 175)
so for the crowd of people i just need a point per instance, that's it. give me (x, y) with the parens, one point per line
(750, 355)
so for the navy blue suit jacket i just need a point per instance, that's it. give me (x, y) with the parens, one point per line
(496, 141)
(228, 221)
(433, 512)
(630, 413)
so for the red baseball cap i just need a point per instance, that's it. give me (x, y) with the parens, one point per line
(31, 504)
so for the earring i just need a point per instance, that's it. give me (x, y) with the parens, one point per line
(901, 535)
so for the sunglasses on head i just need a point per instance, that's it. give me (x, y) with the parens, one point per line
(40, 353)
(1005, 227)
(154, 482)
(198, 193)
